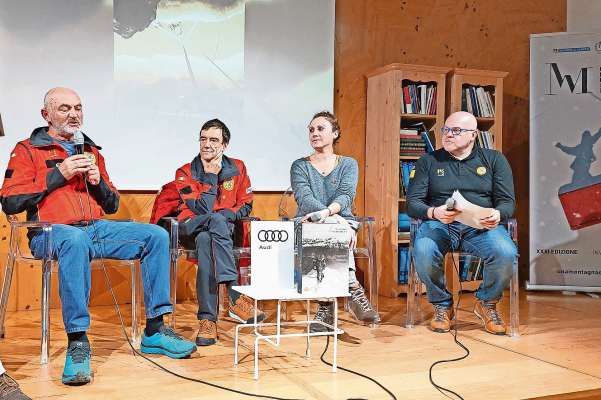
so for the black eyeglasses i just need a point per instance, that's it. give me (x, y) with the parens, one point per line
(455, 130)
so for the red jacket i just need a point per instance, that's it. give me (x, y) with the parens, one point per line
(228, 193)
(33, 183)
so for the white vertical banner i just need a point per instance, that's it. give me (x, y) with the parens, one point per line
(565, 161)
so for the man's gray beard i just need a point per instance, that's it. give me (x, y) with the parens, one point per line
(68, 130)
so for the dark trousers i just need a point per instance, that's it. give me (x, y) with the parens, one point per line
(212, 238)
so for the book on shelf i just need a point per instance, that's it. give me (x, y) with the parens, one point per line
(419, 98)
(405, 168)
(403, 267)
(478, 101)
(412, 145)
(485, 140)
(404, 224)
(416, 143)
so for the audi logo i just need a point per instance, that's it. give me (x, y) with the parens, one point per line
(272, 236)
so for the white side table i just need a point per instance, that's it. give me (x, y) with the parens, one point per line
(274, 339)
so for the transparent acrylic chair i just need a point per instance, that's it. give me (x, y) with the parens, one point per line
(19, 251)
(414, 290)
(365, 249)
(241, 255)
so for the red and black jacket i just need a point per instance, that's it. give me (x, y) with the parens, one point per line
(33, 183)
(228, 193)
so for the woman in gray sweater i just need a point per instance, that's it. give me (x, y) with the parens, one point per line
(324, 186)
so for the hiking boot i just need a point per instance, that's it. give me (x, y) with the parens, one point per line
(244, 311)
(487, 312)
(325, 313)
(168, 343)
(207, 333)
(360, 307)
(9, 389)
(441, 320)
(77, 370)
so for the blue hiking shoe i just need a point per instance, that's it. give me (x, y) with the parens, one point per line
(77, 369)
(167, 342)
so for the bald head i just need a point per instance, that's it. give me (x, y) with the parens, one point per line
(460, 142)
(462, 119)
(63, 112)
(57, 93)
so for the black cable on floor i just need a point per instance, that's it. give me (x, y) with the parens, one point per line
(355, 372)
(109, 286)
(438, 387)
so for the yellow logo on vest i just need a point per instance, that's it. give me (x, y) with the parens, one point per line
(90, 157)
(229, 184)
(440, 172)
(481, 171)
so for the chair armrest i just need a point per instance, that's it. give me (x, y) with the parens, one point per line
(512, 228)
(30, 224)
(172, 226)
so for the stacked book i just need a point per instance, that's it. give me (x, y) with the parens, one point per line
(470, 268)
(419, 98)
(404, 260)
(412, 143)
(415, 140)
(405, 168)
(485, 140)
(478, 101)
(404, 227)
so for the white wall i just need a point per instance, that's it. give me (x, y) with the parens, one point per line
(140, 102)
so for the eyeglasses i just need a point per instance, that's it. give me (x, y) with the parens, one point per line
(455, 130)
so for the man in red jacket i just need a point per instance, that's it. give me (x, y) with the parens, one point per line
(50, 179)
(215, 192)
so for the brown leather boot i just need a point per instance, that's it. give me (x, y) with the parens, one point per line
(244, 311)
(441, 320)
(487, 312)
(207, 333)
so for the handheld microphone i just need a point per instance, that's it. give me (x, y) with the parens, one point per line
(450, 203)
(78, 141)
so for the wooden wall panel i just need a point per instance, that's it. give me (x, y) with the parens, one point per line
(481, 34)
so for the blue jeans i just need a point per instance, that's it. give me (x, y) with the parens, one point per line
(495, 247)
(76, 246)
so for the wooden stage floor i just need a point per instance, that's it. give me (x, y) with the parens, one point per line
(559, 352)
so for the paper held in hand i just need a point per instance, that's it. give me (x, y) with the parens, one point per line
(470, 214)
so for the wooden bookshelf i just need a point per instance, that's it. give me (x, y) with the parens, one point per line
(384, 118)
(491, 81)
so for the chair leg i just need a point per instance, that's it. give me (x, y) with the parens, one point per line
(135, 303)
(174, 257)
(373, 271)
(514, 302)
(411, 291)
(45, 310)
(8, 275)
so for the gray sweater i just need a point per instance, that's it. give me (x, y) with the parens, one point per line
(314, 192)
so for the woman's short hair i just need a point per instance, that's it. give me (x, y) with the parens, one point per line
(331, 118)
